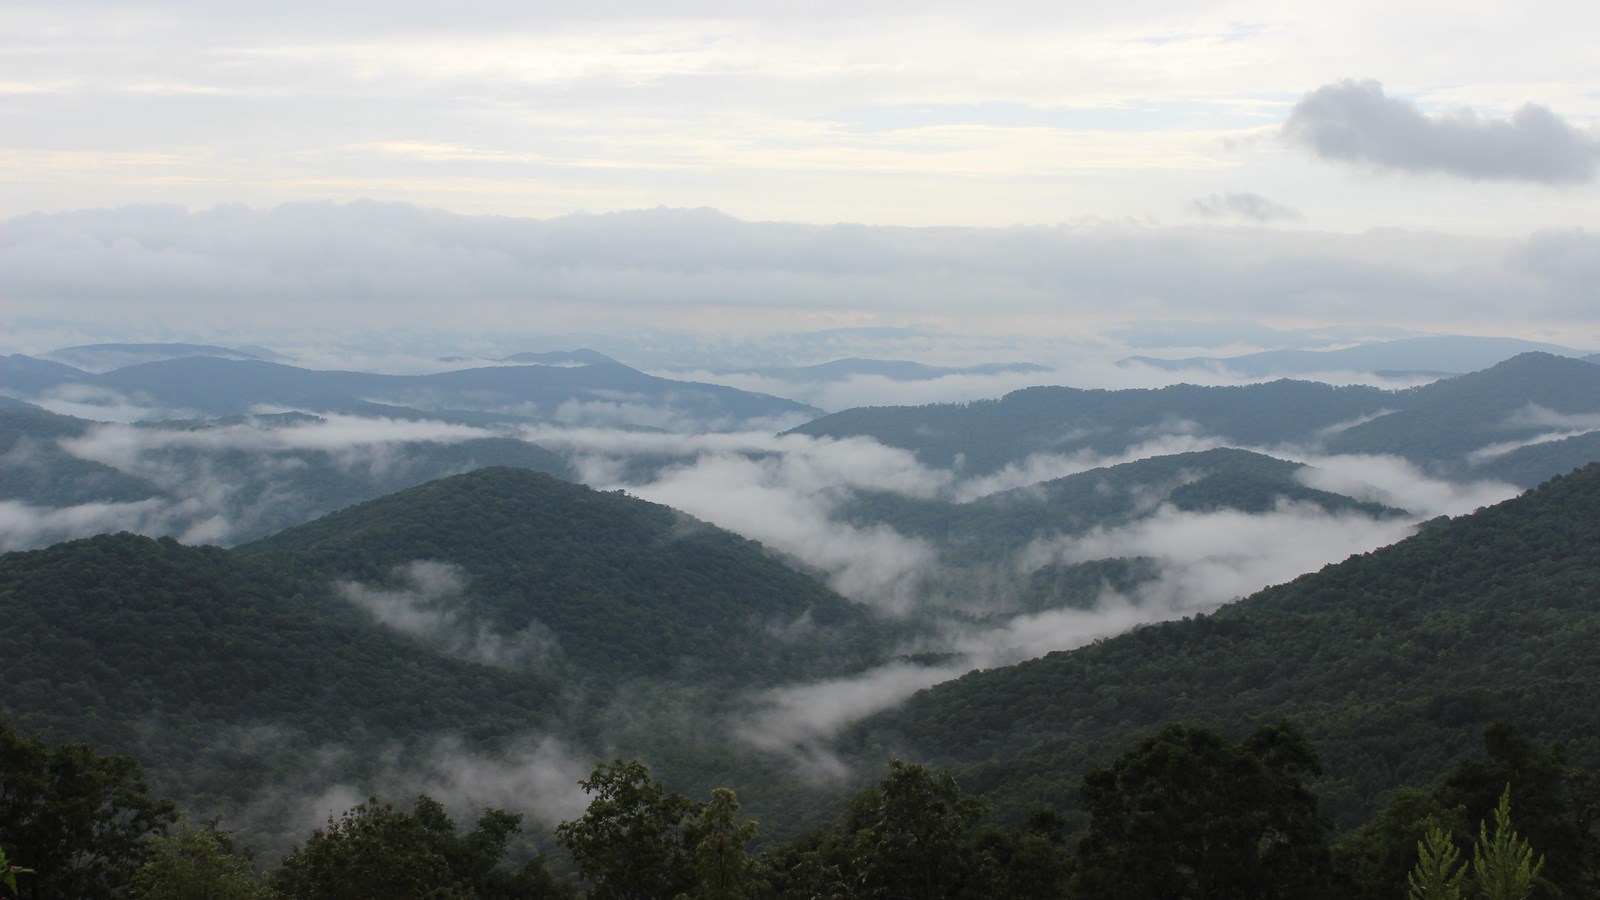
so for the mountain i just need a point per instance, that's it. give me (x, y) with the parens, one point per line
(1180, 333)
(105, 357)
(1529, 465)
(222, 480)
(593, 394)
(34, 469)
(1449, 425)
(985, 436)
(892, 369)
(980, 540)
(28, 375)
(625, 588)
(1391, 662)
(496, 608)
(1444, 354)
(131, 641)
(579, 357)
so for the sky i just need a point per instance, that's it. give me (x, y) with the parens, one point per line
(186, 169)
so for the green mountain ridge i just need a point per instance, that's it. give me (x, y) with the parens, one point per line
(1438, 426)
(1392, 662)
(611, 575)
(226, 671)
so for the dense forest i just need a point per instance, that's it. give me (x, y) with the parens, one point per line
(1388, 666)
(1439, 426)
(1184, 813)
(1390, 662)
(1315, 739)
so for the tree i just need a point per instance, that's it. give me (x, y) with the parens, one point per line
(636, 840)
(722, 864)
(1188, 814)
(197, 865)
(1439, 870)
(1555, 812)
(9, 872)
(80, 820)
(911, 834)
(1503, 864)
(376, 851)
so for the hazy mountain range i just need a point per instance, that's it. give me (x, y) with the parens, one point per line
(748, 607)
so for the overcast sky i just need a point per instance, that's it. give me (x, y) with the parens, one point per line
(1419, 158)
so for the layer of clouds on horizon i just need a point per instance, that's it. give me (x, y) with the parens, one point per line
(1244, 205)
(1356, 122)
(307, 271)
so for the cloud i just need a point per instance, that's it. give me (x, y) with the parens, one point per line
(797, 720)
(1396, 482)
(374, 274)
(1566, 261)
(24, 526)
(1203, 560)
(1039, 467)
(429, 606)
(785, 499)
(1355, 121)
(877, 390)
(1560, 427)
(225, 483)
(533, 774)
(1252, 207)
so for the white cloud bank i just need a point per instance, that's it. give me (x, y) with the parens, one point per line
(238, 275)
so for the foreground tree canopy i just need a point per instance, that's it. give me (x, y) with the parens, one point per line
(1185, 813)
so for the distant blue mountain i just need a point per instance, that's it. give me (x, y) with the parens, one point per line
(1440, 355)
(29, 375)
(105, 357)
(599, 393)
(893, 369)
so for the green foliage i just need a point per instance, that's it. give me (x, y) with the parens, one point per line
(1389, 662)
(1189, 815)
(910, 833)
(985, 436)
(916, 834)
(1440, 424)
(210, 645)
(636, 840)
(1502, 864)
(9, 872)
(632, 589)
(1439, 870)
(1437, 425)
(376, 852)
(79, 819)
(722, 863)
(197, 864)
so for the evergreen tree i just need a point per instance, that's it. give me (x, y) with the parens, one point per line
(1439, 871)
(1503, 863)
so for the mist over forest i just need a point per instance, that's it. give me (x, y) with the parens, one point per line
(853, 450)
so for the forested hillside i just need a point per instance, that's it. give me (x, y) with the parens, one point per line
(481, 608)
(1451, 427)
(985, 436)
(1391, 662)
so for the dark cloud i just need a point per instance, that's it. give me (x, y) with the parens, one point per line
(1244, 206)
(1354, 121)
